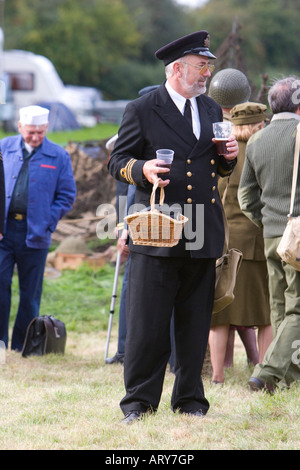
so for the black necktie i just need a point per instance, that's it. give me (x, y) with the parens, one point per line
(188, 113)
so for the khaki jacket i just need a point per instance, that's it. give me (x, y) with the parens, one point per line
(243, 234)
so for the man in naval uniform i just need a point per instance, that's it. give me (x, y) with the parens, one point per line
(183, 276)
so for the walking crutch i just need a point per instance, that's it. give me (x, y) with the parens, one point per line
(113, 302)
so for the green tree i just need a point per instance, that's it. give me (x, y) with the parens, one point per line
(157, 22)
(269, 30)
(83, 38)
(110, 44)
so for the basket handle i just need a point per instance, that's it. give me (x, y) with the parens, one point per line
(162, 194)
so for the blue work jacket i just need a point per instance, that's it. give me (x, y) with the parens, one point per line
(51, 187)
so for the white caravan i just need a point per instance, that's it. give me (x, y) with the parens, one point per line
(34, 79)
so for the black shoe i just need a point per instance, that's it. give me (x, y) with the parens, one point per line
(117, 358)
(256, 385)
(132, 416)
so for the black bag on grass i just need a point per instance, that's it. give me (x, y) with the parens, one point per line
(44, 335)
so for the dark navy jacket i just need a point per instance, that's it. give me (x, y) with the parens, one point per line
(153, 122)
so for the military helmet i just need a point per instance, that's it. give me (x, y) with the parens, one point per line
(229, 87)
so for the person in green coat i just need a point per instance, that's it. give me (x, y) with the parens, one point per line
(264, 195)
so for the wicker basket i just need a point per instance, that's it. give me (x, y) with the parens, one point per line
(152, 227)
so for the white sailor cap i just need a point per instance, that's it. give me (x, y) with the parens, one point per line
(34, 115)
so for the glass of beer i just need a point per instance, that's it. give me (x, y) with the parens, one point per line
(166, 156)
(222, 130)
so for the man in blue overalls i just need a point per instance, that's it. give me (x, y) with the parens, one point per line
(40, 189)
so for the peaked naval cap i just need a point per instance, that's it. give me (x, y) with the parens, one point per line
(194, 43)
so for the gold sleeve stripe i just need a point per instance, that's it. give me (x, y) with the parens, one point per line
(126, 172)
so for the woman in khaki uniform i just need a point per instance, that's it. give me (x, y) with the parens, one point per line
(251, 304)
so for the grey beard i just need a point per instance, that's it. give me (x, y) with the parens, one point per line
(198, 92)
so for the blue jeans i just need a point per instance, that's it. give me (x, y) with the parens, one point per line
(30, 264)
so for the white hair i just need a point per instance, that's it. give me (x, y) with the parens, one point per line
(169, 68)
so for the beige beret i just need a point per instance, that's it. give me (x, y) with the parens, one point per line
(248, 113)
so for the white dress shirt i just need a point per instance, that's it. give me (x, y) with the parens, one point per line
(179, 100)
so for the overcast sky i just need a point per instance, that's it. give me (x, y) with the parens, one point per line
(192, 3)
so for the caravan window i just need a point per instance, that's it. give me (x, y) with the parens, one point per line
(21, 81)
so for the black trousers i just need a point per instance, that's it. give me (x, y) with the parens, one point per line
(157, 285)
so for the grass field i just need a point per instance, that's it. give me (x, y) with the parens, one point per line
(72, 401)
(101, 131)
